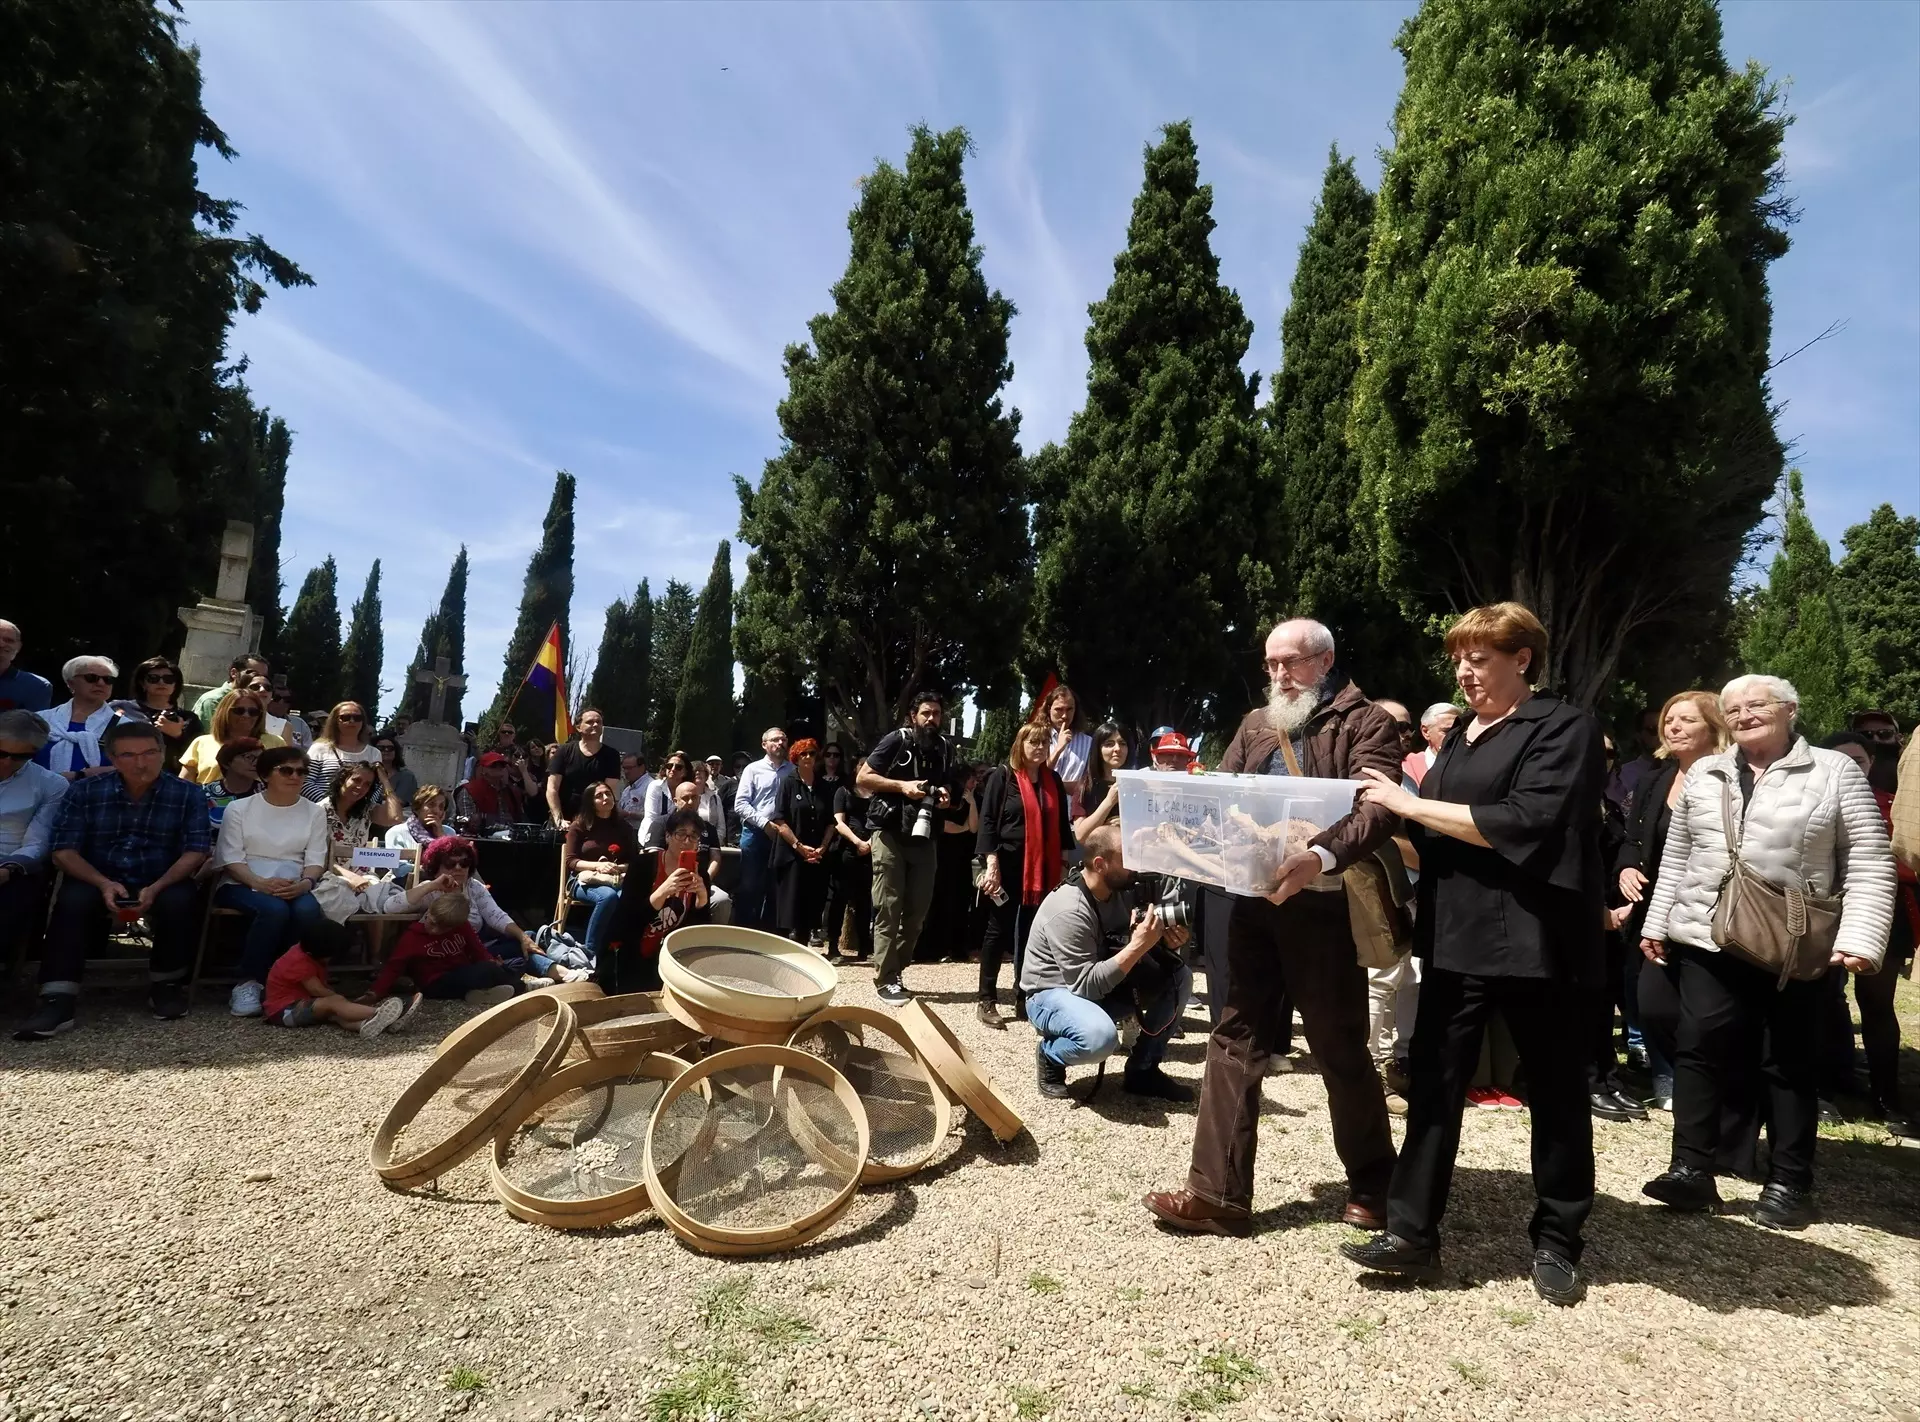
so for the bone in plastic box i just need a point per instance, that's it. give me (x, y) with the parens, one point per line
(1231, 831)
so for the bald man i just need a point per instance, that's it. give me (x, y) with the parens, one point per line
(1297, 943)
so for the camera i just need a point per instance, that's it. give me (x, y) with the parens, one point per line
(923, 822)
(1171, 909)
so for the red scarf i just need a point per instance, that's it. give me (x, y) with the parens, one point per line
(1040, 860)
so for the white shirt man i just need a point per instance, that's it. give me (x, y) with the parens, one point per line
(635, 783)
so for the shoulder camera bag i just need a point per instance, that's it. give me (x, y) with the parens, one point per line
(1787, 932)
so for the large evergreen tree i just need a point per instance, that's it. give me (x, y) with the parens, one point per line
(444, 634)
(545, 597)
(1146, 517)
(622, 686)
(1324, 553)
(310, 642)
(1797, 631)
(1562, 394)
(1878, 588)
(673, 614)
(763, 703)
(273, 443)
(121, 278)
(889, 536)
(703, 710)
(365, 649)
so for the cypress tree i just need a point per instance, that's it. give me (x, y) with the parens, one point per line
(310, 642)
(1797, 631)
(889, 547)
(1324, 553)
(1145, 526)
(703, 708)
(622, 674)
(365, 650)
(274, 442)
(545, 597)
(1562, 393)
(444, 634)
(673, 614)
(1878, 588)
(763, 703)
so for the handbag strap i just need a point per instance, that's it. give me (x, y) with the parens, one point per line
(1726, 824)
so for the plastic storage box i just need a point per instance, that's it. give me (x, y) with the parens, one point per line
(1231, 831)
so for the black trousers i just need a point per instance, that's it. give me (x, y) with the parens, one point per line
(1303, 950)
(469, 977)
(23, 899)
(1008, 925)
(80, 920)
(1603, 1071)
(1545, 1017)
(1732, 1016)
(850, 891)
(1739, 1149)
(1879, 1027)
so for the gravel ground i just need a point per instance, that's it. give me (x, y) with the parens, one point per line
(190, 1230)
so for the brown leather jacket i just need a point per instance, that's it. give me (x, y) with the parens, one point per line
(1345, 735)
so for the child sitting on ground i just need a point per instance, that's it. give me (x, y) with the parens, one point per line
(444, 958)
(298, 994)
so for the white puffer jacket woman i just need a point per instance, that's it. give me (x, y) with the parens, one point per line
(1812, 824)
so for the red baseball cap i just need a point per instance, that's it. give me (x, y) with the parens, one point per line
(1172, 743)
(492, 758)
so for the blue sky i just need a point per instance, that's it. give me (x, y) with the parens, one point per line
(580, 236)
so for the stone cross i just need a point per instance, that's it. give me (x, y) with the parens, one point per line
(443, 677)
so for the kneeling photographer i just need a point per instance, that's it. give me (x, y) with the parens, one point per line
(1093, 961)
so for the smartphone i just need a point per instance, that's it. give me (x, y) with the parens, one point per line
(690, 860)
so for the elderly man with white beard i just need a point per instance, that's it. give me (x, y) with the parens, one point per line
(1296, 943)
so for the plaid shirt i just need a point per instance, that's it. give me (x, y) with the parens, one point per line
(132, 842)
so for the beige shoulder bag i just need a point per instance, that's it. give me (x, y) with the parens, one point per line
(1786, 932)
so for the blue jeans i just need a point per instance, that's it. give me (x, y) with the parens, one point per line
(277, 925)
(1075, 1030)
(752, 905)
(605, 899)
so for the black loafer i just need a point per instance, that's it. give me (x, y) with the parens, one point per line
(1635, 1111)
(1556, 1280)
(1155, 1083)
(1685, 1189)
(1388, 1253)
(1783, 1207)
(1609, 1107)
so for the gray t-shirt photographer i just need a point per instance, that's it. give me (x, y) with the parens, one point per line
(1070, 929)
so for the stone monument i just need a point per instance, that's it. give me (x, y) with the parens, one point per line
(221, 627)
(434, 751)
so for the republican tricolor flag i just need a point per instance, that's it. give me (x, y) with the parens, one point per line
(548, 674)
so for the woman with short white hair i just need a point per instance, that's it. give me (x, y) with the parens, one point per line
(1803, 820)
(74, 727)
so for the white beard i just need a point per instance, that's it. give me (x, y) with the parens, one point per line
(1287, 714)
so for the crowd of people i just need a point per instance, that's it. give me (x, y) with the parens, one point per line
(1504, 891)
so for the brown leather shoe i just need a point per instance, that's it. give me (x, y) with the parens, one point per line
(1365, 1213)
(1185, 1210)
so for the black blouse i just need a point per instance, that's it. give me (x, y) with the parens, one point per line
(1530, 906)
(1649, 817)
(1003, 813)
(805, 809)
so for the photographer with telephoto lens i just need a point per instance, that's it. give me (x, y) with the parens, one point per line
(906, 777)
(1094, 960)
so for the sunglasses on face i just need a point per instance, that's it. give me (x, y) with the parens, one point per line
(299, 770)
(91, 676)
(244, 711)
(351, 716)
(456, 864)
(160, 678)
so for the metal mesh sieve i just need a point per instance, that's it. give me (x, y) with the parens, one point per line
(906, 1115)
(585, 1144)
(475, 1086)
(744, 970)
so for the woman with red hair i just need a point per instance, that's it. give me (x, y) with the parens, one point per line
(801, 824)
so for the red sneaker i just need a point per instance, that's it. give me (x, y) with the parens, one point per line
(1485, 1097)
(1506, 1101)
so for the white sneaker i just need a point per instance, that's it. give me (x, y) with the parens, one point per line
(490, 997)
(409, 1005)
(384, 1016)
(245, 1000)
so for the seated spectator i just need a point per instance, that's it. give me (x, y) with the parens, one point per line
(156, 687)
(1081, 982)
(299, 995)
(598, 849)
(343, 741)
(239, 714)
(285, 722)
(658, 895)
(74, 747)
(425, 824)
(443, 957)
(712, 810)
(403, 781)
(30, 798)
(354, 812)
(128, 842)
(20, 690)
(491, 800)
(271, 850)
(446, 867)
(240, 671)
(238, 767)
(720, 906)
(675, 771)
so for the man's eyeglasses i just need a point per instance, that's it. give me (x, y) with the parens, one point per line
(1287, 664)
(92, 676)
